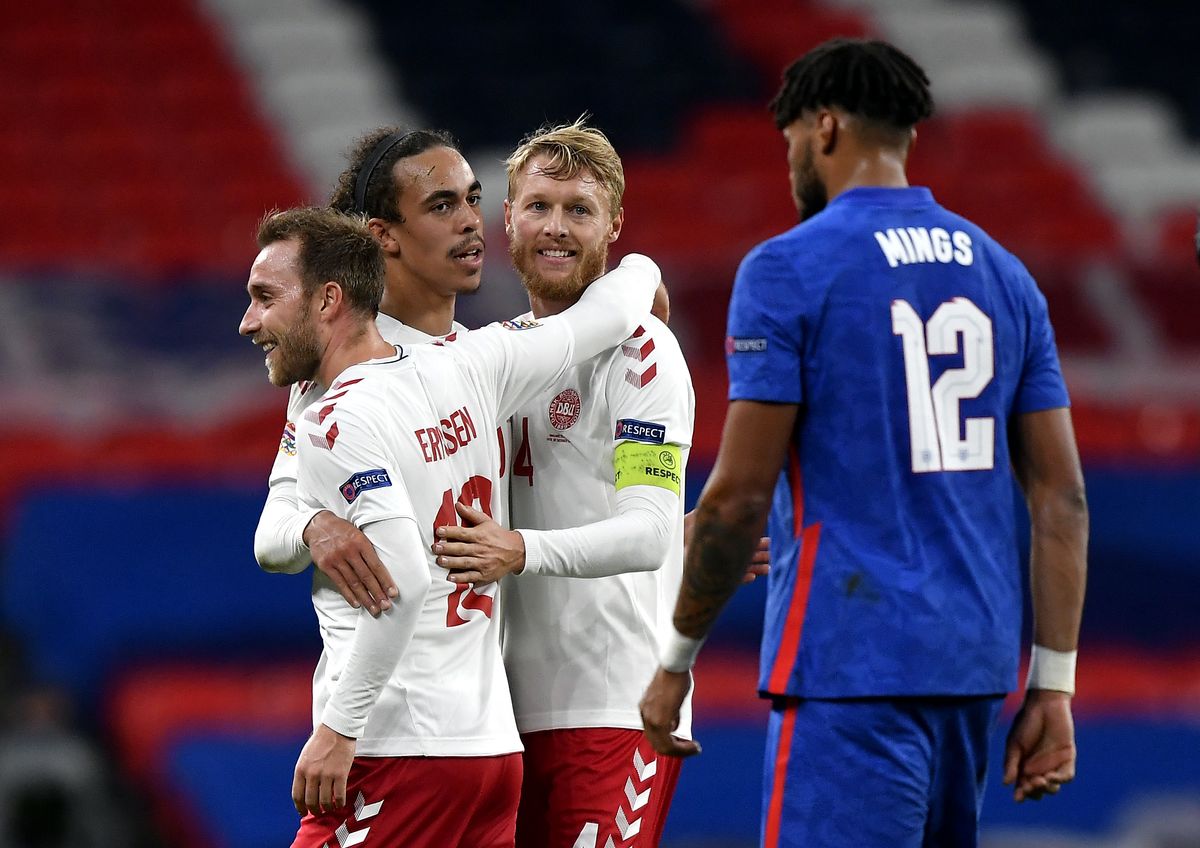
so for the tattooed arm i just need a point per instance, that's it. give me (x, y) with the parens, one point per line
(729, 520)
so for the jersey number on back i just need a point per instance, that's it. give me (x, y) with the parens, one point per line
(477, 493)
(940, 441)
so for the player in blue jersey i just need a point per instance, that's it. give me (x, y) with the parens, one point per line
(889, 364)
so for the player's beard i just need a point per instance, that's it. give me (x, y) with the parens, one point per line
(297, 354)
(807, 188)
(590, 264)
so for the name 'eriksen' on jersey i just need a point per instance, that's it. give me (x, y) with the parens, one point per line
(440, 442)
(911, 245)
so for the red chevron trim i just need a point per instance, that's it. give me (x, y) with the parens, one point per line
(638, 353)
(639, 381)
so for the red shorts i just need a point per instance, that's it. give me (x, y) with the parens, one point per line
(422, 802)
(603, 787)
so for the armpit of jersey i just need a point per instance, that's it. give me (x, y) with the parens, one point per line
(648, 465)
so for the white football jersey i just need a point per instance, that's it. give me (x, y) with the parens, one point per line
(303, 394)
(581, 651)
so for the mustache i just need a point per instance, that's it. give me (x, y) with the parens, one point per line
(469, 243)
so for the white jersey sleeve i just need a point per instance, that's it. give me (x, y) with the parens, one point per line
(651, 407)
(361, 479)
(279, 537)
(518, 359)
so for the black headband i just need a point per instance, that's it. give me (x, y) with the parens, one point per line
(368, 168)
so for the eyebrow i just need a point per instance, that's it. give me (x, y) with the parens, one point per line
(447, 194)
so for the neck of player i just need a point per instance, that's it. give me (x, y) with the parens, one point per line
(416, 304)
(880, 167)
(348, 345)
(542, 306)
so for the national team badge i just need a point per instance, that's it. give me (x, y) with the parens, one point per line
(287, 442)
(374, 478)
(564, 409)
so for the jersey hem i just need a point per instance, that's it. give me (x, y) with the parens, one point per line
(620, 720)
(408, 746)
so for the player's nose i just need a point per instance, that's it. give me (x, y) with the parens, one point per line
(250, 322)
(556, 224)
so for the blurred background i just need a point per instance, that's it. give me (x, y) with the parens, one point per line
(155, 685)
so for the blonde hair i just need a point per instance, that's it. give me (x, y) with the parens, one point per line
(571, 148)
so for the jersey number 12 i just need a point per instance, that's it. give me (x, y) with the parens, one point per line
(477, 493)
(940, 441)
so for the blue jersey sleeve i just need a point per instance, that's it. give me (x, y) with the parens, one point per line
(1042, 386)
(764, 344)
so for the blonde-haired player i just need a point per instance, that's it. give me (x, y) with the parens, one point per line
(596, 484)
(412, 719)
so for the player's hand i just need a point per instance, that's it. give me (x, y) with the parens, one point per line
(481, 553)
(760, 563)
(660, 713)
(1039, 756)
(319, 785)
(661, 308)
(346, 556)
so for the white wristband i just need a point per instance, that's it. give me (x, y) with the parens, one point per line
(1050, 669)
(678, 653)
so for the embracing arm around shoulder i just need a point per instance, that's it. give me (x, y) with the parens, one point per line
(637, 538)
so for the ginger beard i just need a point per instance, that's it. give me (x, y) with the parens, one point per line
(297, 352)
(590, 262)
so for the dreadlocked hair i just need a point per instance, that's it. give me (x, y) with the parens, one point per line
(871, 79)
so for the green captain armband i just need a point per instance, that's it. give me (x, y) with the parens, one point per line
(648, 465)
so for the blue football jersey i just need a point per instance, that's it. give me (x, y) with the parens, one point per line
(910, 339)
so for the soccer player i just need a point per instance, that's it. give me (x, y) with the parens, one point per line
(889, 363)
(595, 482)
(412, 716)
(422, 201)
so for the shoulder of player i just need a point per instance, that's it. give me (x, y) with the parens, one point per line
(651, 350)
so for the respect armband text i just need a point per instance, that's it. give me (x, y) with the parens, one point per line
(637, 464)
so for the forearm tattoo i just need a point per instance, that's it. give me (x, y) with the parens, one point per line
(722, 543)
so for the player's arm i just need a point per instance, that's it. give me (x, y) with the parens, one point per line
(381, 508)
(729, 520)
(1040, 753)
(517, 364)
(289, 536)
(379, 644)
(279, 537)
(637, 538)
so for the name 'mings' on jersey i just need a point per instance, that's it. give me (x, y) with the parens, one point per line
(908, 338)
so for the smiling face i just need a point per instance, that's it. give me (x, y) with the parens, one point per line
(559, 230)
(279, 318)
(440, 231)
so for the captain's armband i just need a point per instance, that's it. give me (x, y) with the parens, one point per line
(648, 465)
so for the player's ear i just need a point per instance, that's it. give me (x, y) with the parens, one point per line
(383, 234)
(331, 297)
(828, 130)
(614, 227)
(508, 224)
